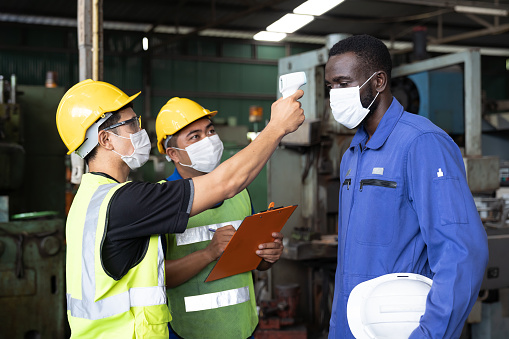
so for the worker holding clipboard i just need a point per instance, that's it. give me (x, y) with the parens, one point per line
(225, 307)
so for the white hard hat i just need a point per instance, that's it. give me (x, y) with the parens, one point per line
(389, 306)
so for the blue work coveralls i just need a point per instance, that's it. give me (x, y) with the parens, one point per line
(405, 206)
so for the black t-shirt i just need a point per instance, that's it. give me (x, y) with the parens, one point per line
(137, 211)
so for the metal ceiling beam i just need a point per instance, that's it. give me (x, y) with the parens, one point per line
(221, 21)
(164, 16)
(385, 20)
(408, 22)
(403, 29)
(440, 39)
(474, 34)
(480, 21)
(147, 27)
(450, 4)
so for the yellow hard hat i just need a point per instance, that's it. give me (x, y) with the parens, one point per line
(82, 105)
(176, 114)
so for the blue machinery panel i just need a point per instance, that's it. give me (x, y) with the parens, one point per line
(441, 98)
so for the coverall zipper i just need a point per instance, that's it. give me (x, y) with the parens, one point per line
(377, 182)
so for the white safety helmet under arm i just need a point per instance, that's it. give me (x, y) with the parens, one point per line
(389, 306)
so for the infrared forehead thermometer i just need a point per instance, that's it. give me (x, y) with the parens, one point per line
(290, 83)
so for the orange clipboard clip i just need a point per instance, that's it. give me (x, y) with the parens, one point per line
(240, 256)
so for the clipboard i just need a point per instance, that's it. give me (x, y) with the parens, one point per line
(240, 256)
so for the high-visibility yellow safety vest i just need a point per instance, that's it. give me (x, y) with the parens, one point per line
(99, 306)
(225, 308)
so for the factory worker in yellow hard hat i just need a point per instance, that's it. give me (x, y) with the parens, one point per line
(186, 135)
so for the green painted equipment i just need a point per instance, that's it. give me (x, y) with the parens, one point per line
(32, 279)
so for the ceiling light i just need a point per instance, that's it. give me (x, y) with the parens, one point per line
(316, 7)
(269, 36)
(145, 43)
(290, 23)
(480, 10)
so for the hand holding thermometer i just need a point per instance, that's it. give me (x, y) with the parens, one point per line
(290, 83)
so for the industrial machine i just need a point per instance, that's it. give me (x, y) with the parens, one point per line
(305, 168)
(12, 153)
(32, 198)
(32, 284)
(278, 317)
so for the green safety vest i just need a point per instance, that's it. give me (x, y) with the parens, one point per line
(97, 305)
(225, 308)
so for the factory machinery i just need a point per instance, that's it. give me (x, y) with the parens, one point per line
(305, 170)
(32, 202)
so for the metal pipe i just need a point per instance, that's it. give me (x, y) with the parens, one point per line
(85, 70)
(496, 19)
(419, 34)
(440, 27)
(473, 34)
(95, 40)
(13, 89)
(85, 39)
(100, 37)
(473, 118)
(1, 89)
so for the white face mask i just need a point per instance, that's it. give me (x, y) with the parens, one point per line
(141, 144)
(205, 155)
(347, 107)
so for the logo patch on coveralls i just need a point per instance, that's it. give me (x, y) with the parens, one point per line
(378, 170)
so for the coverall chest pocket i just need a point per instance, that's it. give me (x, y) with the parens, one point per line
(374, 217)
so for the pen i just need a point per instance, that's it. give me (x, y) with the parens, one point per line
(212, 230)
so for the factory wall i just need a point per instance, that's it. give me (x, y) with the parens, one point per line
(224, 74)
(193, 66)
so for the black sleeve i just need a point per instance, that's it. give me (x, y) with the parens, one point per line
(141, 209)
(137, 211)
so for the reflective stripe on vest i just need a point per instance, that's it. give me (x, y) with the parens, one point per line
(120, 303)
(215, 300)
(202, 233)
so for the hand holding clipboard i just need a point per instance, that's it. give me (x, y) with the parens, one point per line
(240, 255)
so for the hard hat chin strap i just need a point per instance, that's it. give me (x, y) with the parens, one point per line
(91, 137)
(168, 137)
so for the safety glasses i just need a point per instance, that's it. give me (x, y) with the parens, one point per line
(133, 123)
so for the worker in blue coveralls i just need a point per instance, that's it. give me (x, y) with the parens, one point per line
(224, 308)
(405, 205)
